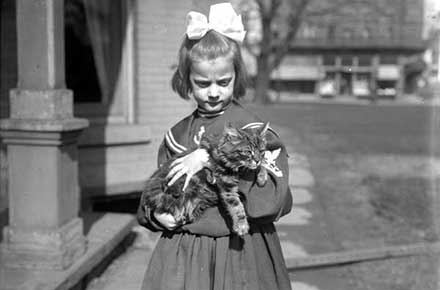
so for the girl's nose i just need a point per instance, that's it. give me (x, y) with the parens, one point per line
(213, 91)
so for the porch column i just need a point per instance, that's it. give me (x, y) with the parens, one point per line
(44, 230)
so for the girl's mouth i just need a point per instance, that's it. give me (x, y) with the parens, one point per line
(213, 104)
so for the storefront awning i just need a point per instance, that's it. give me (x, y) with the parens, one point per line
(287, 72)
(388, 72)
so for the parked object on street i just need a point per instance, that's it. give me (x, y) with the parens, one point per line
(327, 88)
(387, 93)
(361, 89)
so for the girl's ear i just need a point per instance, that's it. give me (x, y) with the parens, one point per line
(264, 130)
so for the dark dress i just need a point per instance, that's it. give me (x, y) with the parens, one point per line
(205, 255)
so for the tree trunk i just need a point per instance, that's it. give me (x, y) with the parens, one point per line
(262, 82)
(262, 79)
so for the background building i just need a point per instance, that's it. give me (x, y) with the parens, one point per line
(355, 49)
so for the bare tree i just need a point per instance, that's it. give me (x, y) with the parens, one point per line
(280, 20)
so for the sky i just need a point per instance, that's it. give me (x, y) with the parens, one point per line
(432, 7)
(432, 15)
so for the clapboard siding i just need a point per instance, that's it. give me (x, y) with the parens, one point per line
(160, 28)
(159, 31)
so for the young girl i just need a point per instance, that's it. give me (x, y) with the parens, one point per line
(205, 254)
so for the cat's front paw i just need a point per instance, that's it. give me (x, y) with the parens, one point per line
(262, 178)
(241, 228)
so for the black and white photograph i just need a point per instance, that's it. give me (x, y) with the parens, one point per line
(219, 145)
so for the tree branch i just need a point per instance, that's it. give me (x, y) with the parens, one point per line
(294, 21)
(267, 15)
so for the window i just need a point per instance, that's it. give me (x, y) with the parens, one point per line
(388, 59)
(364, 60)
(331, 31)
(329, 59)
(363, 77)
(346, 60)
(99, 66)
(81, 75)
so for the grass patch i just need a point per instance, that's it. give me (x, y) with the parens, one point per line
(385, 201)
(404, 202)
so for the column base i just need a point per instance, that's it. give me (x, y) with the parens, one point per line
(43, 249)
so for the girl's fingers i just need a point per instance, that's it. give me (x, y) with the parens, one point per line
(174, 170)
(189, 164)
(176, 177)
(188, 178)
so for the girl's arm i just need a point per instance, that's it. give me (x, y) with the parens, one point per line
(153, 221)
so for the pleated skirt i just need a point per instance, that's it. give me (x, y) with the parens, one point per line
(184, 261)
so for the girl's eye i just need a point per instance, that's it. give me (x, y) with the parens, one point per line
(224, 83)
(202, 84)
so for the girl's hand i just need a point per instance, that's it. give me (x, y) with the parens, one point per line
(189, 164)
(167, 220)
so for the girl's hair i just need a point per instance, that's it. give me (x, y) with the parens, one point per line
(210, 46)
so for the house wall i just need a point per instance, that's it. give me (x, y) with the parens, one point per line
(160, 27)
(117, 156)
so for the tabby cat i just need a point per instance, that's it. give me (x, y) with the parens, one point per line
(234, 151)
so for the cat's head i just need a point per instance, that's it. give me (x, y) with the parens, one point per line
(243, 148)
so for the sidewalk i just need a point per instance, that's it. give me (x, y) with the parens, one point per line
(303, 232)
(405, 100)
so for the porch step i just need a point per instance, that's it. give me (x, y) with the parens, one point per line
(104, 233)
(127, 270)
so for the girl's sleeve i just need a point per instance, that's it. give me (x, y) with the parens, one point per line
(268, 203)
(145, 216)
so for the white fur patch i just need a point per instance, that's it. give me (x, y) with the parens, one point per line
(270, 162)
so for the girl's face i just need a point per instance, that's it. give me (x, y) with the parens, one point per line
(212, 83)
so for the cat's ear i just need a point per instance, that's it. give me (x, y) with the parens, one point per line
(264, 130)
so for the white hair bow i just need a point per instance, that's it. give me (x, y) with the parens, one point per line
(222, 18)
